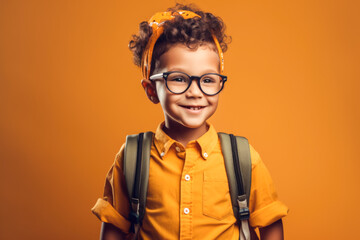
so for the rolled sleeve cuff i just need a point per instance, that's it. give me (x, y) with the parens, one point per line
(107, 213)
(268, 215)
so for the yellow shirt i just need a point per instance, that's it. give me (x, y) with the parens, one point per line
(188, 194)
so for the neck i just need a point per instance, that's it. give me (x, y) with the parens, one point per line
(184, 134)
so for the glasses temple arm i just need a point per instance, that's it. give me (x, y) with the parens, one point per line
(156, 76)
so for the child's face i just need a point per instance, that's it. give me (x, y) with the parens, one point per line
(192, 108)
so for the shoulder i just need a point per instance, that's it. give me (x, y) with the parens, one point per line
(120, 154)
(255, 157)
(130, 147)
(119, 159)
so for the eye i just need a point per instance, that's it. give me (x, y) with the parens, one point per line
(178, 79)
(209, 80)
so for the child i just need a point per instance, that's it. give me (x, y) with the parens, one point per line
(188, 193)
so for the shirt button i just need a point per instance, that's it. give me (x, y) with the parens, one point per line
(177, 149)
(187, 177)
(205, 155)
(162, 154)
(186, 211)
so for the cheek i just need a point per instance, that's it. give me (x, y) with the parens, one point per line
(160, 91)
(165, 97)
(214, 100)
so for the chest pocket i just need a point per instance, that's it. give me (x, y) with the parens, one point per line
(216, 196)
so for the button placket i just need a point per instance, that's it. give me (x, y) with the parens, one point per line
(186, 193)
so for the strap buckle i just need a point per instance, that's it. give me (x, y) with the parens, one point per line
(134, 219)
(134, 214)
(244, 213)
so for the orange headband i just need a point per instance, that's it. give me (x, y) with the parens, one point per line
(156, 23)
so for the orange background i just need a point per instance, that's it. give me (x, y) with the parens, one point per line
(69, 94)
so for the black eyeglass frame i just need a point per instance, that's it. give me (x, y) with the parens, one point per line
(165, 75)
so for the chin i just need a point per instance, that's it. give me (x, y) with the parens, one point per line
(193, 125)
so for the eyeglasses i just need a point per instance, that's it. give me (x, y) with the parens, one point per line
(179, 82)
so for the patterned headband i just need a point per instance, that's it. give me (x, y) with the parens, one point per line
(156, 23)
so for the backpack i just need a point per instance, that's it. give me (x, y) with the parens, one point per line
(237, 160)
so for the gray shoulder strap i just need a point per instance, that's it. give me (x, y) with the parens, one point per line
(245, 163)
(136, 172)
(245, 167)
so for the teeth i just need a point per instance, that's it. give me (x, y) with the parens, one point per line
(194, 108)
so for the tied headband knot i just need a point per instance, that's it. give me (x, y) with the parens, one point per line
(156, 22)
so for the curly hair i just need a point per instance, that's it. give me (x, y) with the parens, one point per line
(192, 32)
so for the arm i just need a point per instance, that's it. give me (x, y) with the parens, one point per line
(272, 232)
(114, 206)
(110, 232)
(265, 208)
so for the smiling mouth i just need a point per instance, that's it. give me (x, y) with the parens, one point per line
(193, 107)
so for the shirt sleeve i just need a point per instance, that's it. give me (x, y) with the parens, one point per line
(114, 206)
(264, 206)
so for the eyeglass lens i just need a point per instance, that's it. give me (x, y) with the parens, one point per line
(178, 82)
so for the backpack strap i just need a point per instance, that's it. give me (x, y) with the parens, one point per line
(136, 173)
(237, 159)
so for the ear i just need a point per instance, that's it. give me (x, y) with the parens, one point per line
(150, 90)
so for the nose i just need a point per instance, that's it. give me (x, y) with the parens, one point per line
(194, 90)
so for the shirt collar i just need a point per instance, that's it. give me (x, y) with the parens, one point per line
(207, 142)
(162, 141)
